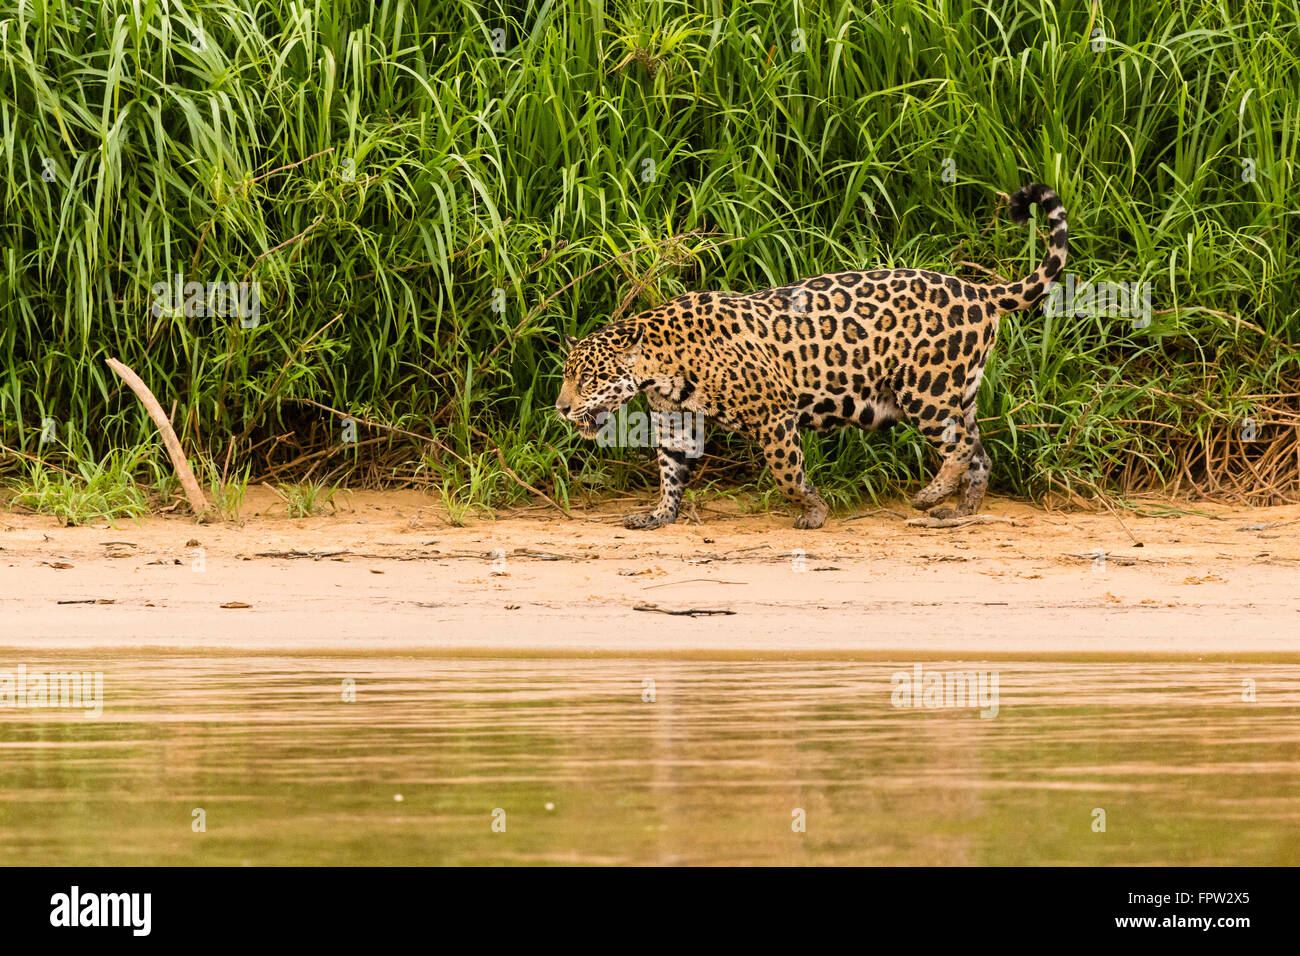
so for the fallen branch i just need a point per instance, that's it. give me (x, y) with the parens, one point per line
(1266, 525)
(314, 555)
(1107, 558)
(540, 555)
(198, 502)
(668, 584)
(961, 522)
(691, 612)
(874, 511)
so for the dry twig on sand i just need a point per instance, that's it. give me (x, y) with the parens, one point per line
(689, 612)
(931, 522)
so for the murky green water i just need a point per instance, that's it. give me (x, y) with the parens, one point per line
(588, 769)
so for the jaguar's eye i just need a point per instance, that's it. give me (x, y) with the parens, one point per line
(584, 384)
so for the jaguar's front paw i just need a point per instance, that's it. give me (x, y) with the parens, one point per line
(928, 497)
(811, 519)
(945, 514)
(646, 520)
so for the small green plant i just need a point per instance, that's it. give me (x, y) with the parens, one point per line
(228, 496)
(102, 490)
(306, 499)
(465, 486)
(458, 510)
(225, 493)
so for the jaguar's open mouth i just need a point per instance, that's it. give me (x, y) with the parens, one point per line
(589, 423)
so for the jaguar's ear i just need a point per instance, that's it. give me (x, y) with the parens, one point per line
(570, 341)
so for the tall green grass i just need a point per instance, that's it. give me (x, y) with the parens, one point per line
(394, 163)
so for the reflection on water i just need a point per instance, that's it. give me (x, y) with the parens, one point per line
(588, 769)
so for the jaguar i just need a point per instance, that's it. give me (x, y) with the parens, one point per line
(867, 349)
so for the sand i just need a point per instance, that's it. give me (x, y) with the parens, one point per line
(386, 574)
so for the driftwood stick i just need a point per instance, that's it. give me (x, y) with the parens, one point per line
(198, 502)
(930, 521)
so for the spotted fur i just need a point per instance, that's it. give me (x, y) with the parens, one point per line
(848, 348)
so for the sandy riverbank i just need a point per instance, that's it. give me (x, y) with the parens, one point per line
(386, 574)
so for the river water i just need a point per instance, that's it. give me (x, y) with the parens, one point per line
(418, 760)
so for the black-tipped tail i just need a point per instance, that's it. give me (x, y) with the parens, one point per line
(1022, 294)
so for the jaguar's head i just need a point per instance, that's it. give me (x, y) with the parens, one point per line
(599, 375)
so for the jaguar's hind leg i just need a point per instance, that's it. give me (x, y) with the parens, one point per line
(975, 480)
(944, 425)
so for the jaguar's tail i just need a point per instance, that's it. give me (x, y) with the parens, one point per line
(1022, 294)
